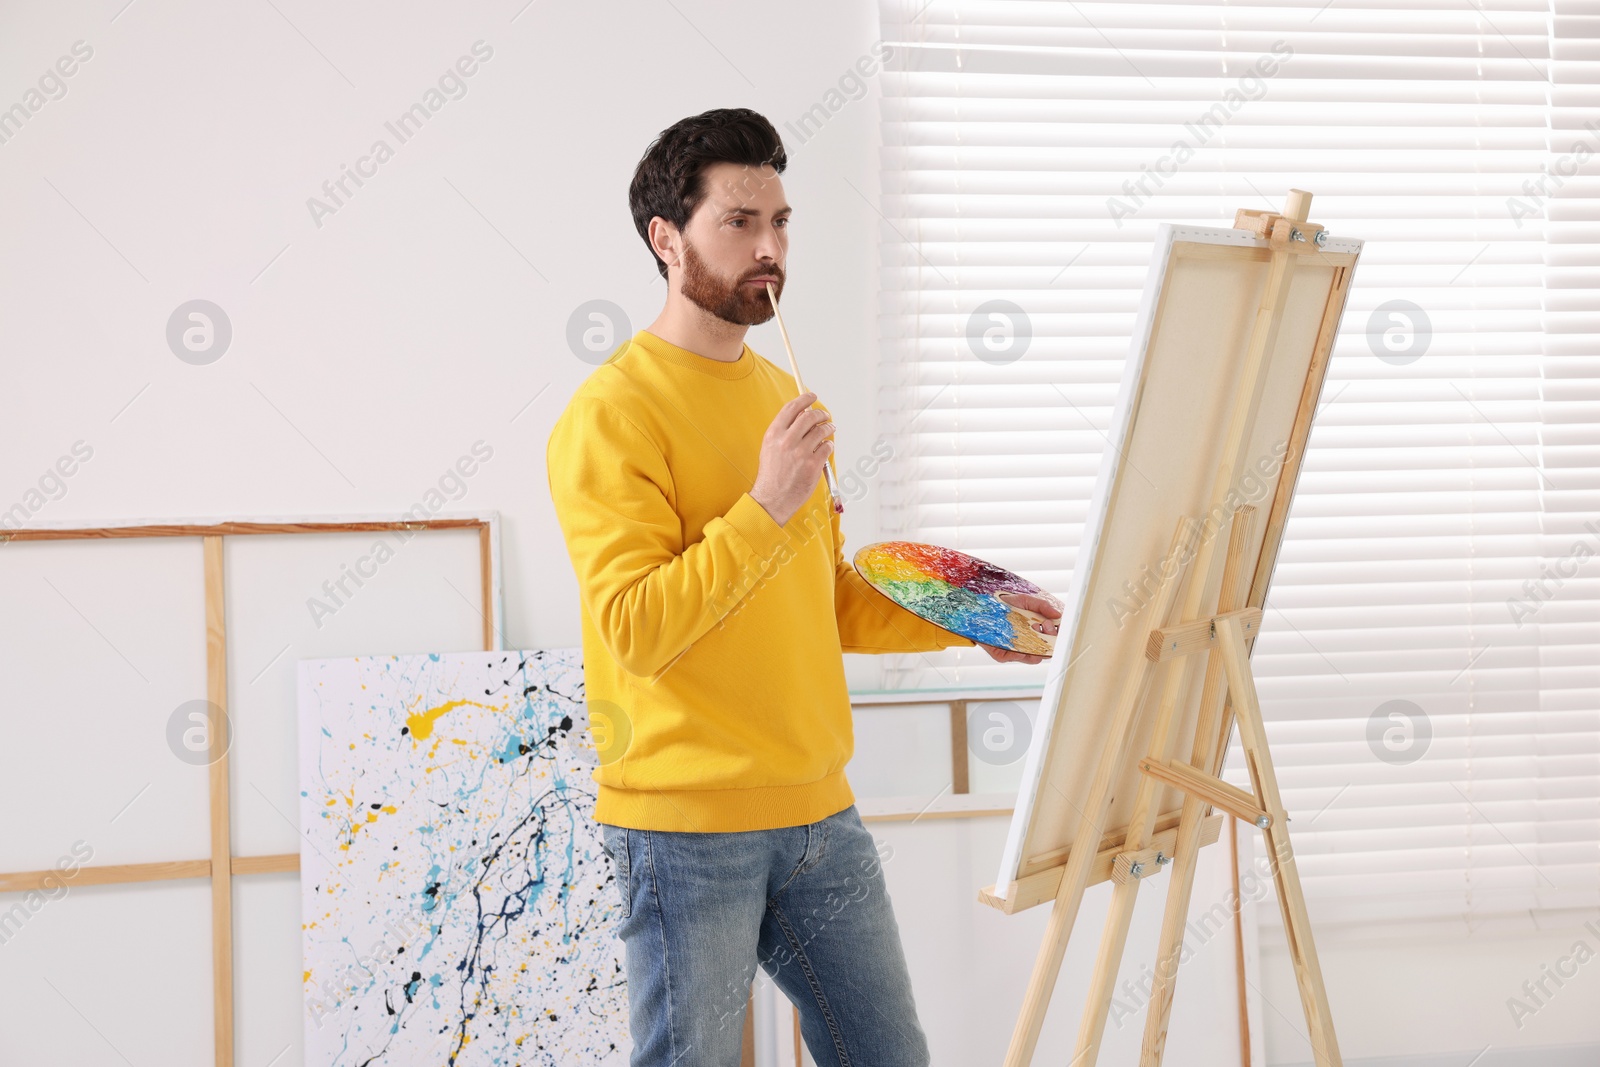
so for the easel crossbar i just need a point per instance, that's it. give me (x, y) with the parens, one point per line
(1230, 798)
(1187, 638)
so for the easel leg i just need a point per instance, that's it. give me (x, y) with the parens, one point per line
(1185, 855)
(1291, 898)
(1186, 848)
(1086, 841)
(1114, 939)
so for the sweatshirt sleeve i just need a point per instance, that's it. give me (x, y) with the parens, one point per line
(871, 622)
(649, 597)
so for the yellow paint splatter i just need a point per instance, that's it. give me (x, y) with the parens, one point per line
(421, 723)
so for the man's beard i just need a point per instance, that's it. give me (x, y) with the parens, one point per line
(738, 303)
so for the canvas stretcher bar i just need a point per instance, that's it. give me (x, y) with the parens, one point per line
(221, 865)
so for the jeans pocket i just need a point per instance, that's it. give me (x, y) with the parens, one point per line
(614, 839)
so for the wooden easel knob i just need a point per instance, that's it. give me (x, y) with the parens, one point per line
(1288, 228)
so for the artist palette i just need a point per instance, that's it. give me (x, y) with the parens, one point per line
(956, 591)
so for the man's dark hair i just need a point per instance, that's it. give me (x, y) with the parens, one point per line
(669, 179)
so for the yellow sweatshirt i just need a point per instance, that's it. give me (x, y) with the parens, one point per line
(711, 635)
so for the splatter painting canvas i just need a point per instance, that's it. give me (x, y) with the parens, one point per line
(457, 906)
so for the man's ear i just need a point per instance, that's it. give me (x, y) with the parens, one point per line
(667, 241)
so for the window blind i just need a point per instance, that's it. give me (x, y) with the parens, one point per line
(1430, 658)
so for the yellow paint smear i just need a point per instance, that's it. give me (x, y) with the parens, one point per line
(421, 723)
(889, 568)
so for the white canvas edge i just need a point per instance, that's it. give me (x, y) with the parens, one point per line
(1088, 554)
(303, 745)
(311, 661)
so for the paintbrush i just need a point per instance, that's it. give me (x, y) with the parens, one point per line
(794, 368)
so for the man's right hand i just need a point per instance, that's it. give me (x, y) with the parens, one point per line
(795, 447)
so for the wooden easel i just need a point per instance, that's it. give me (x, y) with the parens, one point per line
(1186, 631)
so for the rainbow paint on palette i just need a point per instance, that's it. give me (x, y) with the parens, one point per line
(954, 590)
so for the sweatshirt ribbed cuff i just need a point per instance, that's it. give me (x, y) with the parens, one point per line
(759, 529)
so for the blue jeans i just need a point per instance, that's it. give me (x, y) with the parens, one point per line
(807, 903)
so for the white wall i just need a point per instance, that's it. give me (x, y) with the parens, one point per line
(1443, 999)
(429, 310)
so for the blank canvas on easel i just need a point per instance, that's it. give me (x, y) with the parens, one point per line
(1193, 328)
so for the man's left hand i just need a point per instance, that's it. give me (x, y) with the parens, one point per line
(1048, 606)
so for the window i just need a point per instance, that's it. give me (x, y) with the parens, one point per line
(1430, 661)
